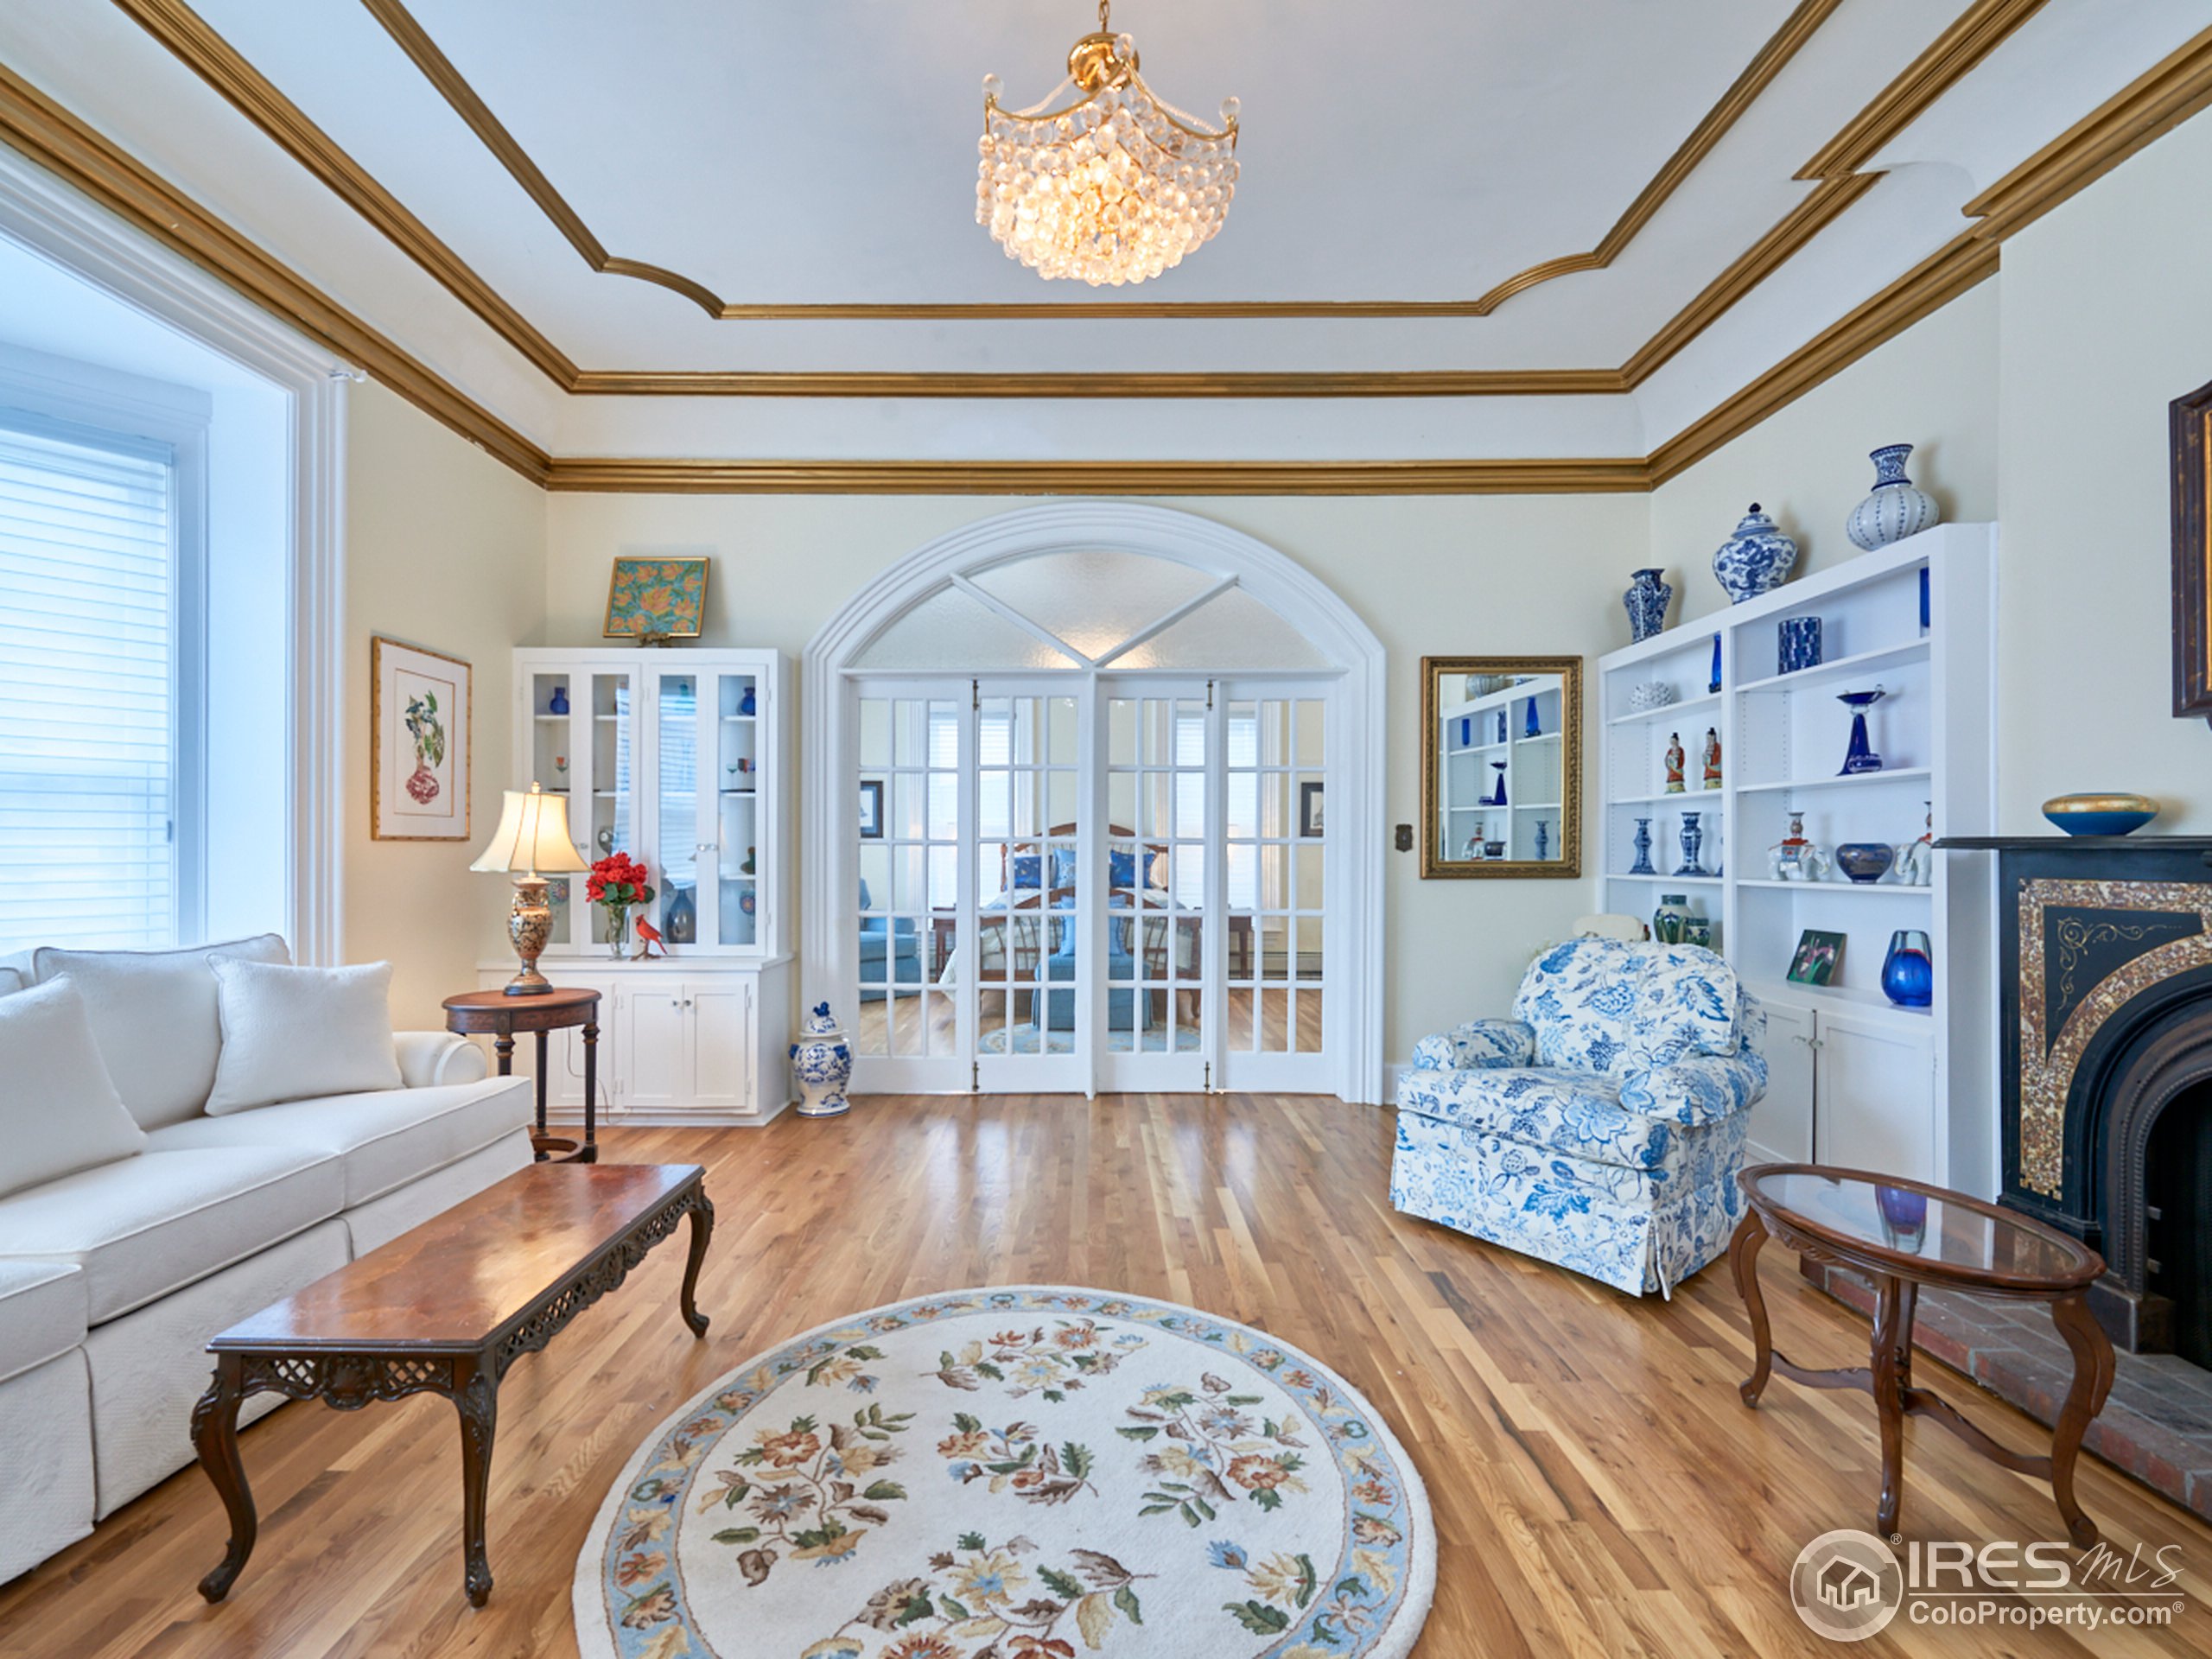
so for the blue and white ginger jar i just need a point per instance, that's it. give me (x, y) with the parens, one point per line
(821, 1061)
(1896, 509)
(1755, 560)
(1646, 599)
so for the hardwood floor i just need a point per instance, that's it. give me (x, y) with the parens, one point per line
(1599, 1489)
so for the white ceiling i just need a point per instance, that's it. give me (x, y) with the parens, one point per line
(823, 152)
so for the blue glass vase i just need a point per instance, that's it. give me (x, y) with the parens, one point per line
(1715, 686)
(1535, 727)
(1498, 800)
(1860, 756)
(1908, 971)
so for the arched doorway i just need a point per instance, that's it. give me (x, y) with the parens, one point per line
(1092, 793)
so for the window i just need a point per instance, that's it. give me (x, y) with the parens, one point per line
(98, 674)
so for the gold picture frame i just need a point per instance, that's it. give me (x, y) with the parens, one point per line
(419, 762)
(1437, 859)
(653, 598)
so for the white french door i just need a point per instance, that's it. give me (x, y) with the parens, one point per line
(1071, 882)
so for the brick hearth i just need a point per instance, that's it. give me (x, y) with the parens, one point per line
(2157, 1425)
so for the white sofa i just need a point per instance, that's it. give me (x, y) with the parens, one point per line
(113, 1278)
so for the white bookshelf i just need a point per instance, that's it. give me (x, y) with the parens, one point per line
(1856, 1079)
(1474, 756)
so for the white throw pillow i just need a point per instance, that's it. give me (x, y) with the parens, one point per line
(294, 1033)
(58, 1111)
(11, 981)
(153, 1014)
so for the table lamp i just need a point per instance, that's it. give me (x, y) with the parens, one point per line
(531, 841)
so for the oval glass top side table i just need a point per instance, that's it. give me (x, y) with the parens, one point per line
(1902, 1234)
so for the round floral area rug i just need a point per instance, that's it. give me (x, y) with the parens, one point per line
(1034, 1472)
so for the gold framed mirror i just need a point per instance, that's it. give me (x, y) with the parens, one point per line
(1501, 767)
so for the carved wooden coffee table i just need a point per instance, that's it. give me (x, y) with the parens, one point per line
(446, 1309)
(1903, 1235)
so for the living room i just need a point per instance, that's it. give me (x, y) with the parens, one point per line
(631, 803)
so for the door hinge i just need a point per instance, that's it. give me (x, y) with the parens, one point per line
(1209, 1082)
(975, 1077)
(1209, 696)
(976, 697)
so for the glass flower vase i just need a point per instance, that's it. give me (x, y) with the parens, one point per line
(618, 931)
(1909, 971)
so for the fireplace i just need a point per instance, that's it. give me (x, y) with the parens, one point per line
(2105, 973)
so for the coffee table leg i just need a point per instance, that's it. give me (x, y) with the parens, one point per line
(477, 1399)
(2093, 1375)
(703, 1228)
(1744, 1263)
(1892, 1331)
(215, 1438)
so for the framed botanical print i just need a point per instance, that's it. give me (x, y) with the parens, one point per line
(2189, 421)
(419, 708)
(654, 598)
(1310, 820)
(872, 809)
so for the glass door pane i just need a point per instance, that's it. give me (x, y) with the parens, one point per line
(608, 743)
(556, 761)
(675, 859)
(735, 725)
(1160, 752)
(1277, 874)
(909, 969)
(1033, 987)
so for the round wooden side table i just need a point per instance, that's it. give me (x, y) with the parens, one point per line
(477, 1012)
(1903, 1235)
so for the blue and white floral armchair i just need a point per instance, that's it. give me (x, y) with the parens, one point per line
(1602, 1127)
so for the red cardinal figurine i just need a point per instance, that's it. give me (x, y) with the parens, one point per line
(649, 941)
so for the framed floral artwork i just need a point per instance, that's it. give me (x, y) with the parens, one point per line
(419, 709)
(654, 598)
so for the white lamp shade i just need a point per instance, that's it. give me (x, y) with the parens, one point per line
(532, 838)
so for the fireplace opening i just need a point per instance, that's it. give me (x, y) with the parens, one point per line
(2177, 1212)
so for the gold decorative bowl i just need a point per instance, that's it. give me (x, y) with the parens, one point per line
(2100, 815)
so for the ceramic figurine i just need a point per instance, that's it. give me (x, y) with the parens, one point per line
(1642, 843)
(1647, 599)
(1860, 757)
(1673, 763)
(649, 941)
(1712, 757)
(1797, 643)
(1795, 858)
(558, 703)
(1917, 859)
(1473, 850)
(1668, 921)
(1652, 694)
(821, 1063)
(1543, 841)
(1755, 559)
(1896, 509)
(1501, 725)
(1692, 838)
(1498, 800)
(748, 867)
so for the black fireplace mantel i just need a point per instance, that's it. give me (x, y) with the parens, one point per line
(2200, 844)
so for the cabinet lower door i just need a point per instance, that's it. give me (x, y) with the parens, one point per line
(722, 1045)
(657, 1029)
(1877, 1089)
(1781, 1123)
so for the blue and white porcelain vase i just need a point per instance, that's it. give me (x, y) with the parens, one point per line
(821, 1061)
(1646, 599)
(1896, 509)
(1692, 839)
(1642, 845)
(1756, 559)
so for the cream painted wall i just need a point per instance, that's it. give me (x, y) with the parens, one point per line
(445, 550)
(1450, 575)
(1933, 386)
(2108, 317)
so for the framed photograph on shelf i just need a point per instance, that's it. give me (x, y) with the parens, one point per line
(1309, 810)
(1818, 958)
(419, 707)
(655, 598)
(872, 809)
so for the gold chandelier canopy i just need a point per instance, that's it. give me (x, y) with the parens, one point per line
(1116, 186)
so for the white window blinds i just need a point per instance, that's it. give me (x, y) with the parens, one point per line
(87, 721)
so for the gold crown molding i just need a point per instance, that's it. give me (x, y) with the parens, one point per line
(679, 477)
(34, 125)
(1473, 383)
(1953, 55)
(2147, 108)
(189, 36)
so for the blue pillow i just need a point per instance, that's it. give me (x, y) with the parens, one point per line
(1063, 867)
(1121, 869)
(1028, 871)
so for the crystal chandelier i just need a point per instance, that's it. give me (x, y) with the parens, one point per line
(1114, 188)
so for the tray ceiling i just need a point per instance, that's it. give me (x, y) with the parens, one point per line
(1477, 201)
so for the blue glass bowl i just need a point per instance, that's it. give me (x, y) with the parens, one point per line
(2100, 815)
(1864, 861)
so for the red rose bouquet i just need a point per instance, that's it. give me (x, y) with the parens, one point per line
(618, 881)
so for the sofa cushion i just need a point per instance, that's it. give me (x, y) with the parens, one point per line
(154, 1014)
(384, 1139)
(1578, 998)
(59, 1110)
(11, 980)
(298, 1033)
(143, 1227)
(1576, 1112)
(1685, 1006)
(42, 1313)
